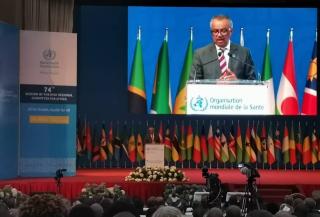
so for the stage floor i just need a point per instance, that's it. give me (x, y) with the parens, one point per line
(304, 181)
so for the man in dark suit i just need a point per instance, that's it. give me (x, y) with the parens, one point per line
(222, 59)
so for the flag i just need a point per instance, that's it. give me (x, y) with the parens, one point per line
(264, 144)
(132, 146)
(95, 147)
(241, 38)
(124, 143)
(277, 144)
(247, 151)
(232, 145)
(189, 142)
(110, 143)
(210, 144)
(160, 133)
(167, 145)
(79, 147)
(258, 145)
(203, 145)
(196, 148)
(88, 141)
(239, 145)
(137, 102)
(161, 96)
(309, 102)
(103, 144)
(175, 144)
(117, 145)
(254, 149)
(306, 155)
(181, 96)
(299, 144)
(292, 146)
(270, 145)
(183, 150)
(267, 73)
(217, 144)
(140, 148)
(224, 145)
(314, 145)
(285, 145)
(287, 100)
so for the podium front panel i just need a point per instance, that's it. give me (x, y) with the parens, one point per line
(230, 99)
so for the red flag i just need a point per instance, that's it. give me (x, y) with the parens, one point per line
(232, 145)
(309, 103)
(287, 100)
(203, 145)
(196, 148)
(210, 144)
(88, 141)
(217, 144)
(160, 133)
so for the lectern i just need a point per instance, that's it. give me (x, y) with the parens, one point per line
(238, 97)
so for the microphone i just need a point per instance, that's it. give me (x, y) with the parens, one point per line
(206, 63)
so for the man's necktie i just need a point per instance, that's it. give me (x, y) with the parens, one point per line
(223, 63)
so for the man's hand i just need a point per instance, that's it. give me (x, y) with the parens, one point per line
(229, 75)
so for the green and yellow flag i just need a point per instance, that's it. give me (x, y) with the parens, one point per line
(239, 144)
(181, 97)
(292, 146)
(161, 96)
(140, 148)
(137, 102)
(175, 144)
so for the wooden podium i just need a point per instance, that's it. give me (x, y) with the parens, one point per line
(239, 97)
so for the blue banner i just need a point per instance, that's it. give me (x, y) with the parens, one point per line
(9, 100)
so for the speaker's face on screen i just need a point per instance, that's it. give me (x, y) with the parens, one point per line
(221, 32)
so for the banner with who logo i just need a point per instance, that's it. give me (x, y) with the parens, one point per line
(48, 82)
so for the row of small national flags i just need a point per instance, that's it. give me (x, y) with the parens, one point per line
(286, 100)
(262, 143)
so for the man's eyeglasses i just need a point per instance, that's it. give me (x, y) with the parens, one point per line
(224, 31)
